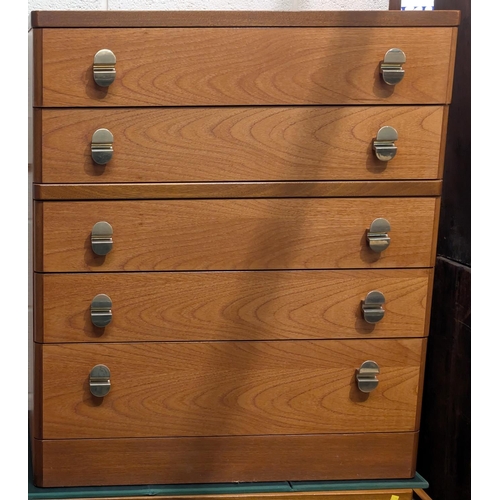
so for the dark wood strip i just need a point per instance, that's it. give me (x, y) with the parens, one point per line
(37, 236)
(38, 307)
(394, 4)
(446, 113)
(194, 19)
(37, 417)
(327, 189)
(421, 384)
(37, 68)
(37, 145)
(451, 68)
(87, 462)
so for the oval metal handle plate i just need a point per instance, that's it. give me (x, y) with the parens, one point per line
(100, 381)
(383, 144)
(366, 376)
(372, 307)
(377, 236)
(102, 238)
(104, 68)
(100, 310)
(101, 146)
(391, 67)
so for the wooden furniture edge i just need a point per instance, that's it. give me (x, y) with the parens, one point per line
(442, 148)
(37, 68)
(293, 189)
(196, 19)
(451, 69)
(38, 307)
(37, 145)
(435, 232)
(37, 251)
(421, 384)
(401, 494)
(421, 494)
(37, 427)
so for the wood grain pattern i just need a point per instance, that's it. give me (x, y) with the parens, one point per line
(77, 462)
(229, 388)
(401, 494)
(237, 234)
(255, 305)
(239, 144)
(213, 66)
(218, 190)
(158, 19)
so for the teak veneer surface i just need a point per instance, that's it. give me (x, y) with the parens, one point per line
(400, 494)
(241, 188)
(313, 233)
(238, 144)
(229, 388)
(259, 305)
(218, 190)
(251, 66)
(158, 19)
(225, 459)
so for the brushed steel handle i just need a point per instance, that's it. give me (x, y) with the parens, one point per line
(383, 144)
(101, 146)
(366, 376)
(100, 380)
(372, 307)
(391, 67)
(104, 68)
(100, 310)
(102, 238)
(378, 239)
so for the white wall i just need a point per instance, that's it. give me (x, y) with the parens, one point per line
(278, 5)
(208, 5)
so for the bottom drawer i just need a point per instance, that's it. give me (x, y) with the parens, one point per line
(181, 389)
(87, 462)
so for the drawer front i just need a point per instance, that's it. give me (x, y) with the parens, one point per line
(228, 66)
(239, 144)
(228, 459)
(229, 388)
(252, 305)
(235, 234)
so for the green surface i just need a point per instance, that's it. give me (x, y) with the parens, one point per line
(417, 482)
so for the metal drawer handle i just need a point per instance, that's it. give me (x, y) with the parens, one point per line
(366, 376)
(100, 380)
(372, 307)
(102, 238)
(377, 236)
(101, 146)
(383, 144)
(100, 310)
(391, 67)
(104, 68)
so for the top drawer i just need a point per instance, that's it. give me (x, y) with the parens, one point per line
(241, 66)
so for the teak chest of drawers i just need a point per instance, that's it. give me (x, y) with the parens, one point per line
(235, 232)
